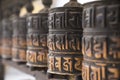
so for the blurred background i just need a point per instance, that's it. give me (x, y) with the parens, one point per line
(10, 4)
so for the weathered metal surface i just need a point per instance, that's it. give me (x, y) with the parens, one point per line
(101, 40)
(37, 40)
(6, 38)
(73, 3)
(19, 40)
(0, 38)
(37, 37)
(64, 41)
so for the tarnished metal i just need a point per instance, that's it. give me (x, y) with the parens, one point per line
(0, 38)
(19, 40)
(37, 49)
(101, 40)
(6, 38)
(64, 41)
(73, 3)
(37, 40)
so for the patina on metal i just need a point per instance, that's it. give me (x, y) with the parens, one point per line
(18, 37)
(73, 3)
(64, 40)
(37, 49)
(6, 36)
(0, 38)
(101, 40)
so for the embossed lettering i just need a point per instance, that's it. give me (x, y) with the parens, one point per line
(78, 64)
(113, 16)
(67, 65)
(31, 56)
(58, 63)
(115, 48)
(35, 40)
(99, 48)
(88, 47)
(51, 63)
(42, 56)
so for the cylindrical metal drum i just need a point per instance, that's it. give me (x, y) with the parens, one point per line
(64, 41)
(6, 38)
(19, 40)
(0, 38)
(101, 40)
(37, 40)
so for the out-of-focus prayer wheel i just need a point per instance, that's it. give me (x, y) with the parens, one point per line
(6, 38)
(19, 40)
(0, 38)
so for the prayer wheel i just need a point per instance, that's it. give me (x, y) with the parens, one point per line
(6, 38)
(19, 40)
(19, 36)
(101, 40)
(0, 37)
(37, 40)
(37, 26)
(64, 40)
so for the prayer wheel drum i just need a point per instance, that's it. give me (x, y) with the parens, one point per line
(0, 38)
(37, 40)
(64, 41)
(6, 39)
(101, 40)
(19, 40)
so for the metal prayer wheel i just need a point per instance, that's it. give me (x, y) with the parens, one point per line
(101, 40)
(64, 41)
(37, 40)
(0, 37)
(37, 25)
(19, 40)
(73, 3)
(6, 38)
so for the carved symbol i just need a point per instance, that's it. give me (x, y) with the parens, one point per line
(35, 40)
(78, 64)
(58, 63)
(51, 63)
(67, 65)
(31, 56)
(42, 56)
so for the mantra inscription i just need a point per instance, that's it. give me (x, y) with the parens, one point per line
(101, 41)
(68, 19)
(37, 58)
(19, 40)
(64, 41)
(104, 16)
(101, 48)
(65, 65)
(100, 71)
(37, 40)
